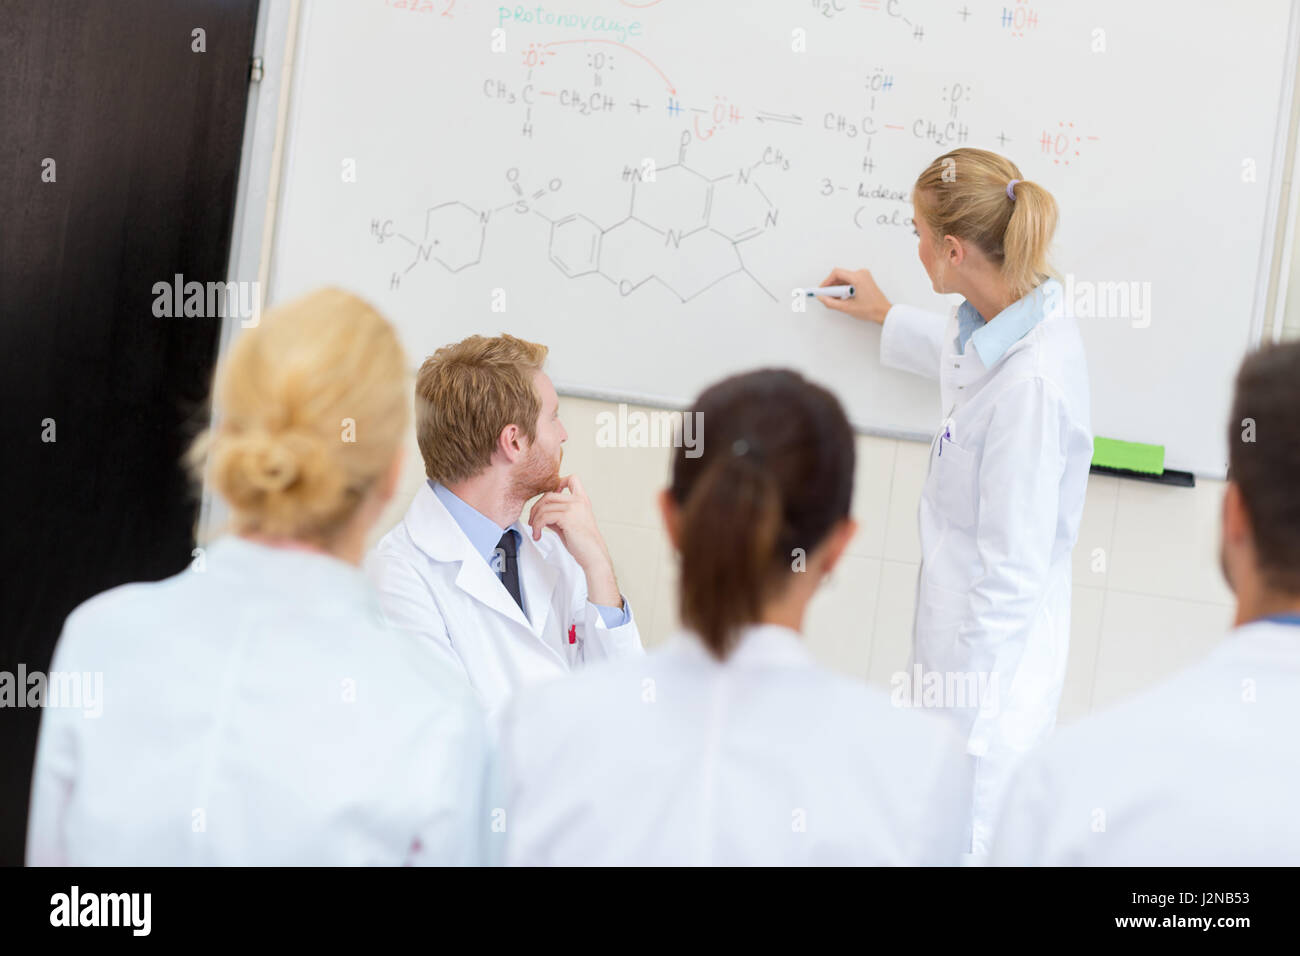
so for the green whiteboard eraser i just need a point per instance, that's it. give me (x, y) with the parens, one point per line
(1131, 456)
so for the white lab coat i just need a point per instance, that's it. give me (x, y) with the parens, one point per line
(257, 712)
(677, 759)
(1202, 770)
(433, 583)
(999, 515)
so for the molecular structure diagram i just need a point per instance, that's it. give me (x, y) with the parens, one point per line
(680, 229)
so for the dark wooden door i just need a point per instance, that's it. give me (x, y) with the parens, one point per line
(145, 136)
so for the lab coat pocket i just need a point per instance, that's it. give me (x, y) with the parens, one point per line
(939, 616)
(953, 476)
(943, 608)
(572, 641)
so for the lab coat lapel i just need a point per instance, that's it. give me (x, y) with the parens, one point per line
(960, 372)
(436, 533)
(537, 578)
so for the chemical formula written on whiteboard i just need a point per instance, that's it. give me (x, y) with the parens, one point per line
(680, 228)
(685, 224)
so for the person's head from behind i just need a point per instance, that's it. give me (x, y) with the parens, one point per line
(1260, 548)
(484, 409)
(970, 229)
(310, 409)
(762, 515)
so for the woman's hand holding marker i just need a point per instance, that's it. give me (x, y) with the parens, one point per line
(868, 301)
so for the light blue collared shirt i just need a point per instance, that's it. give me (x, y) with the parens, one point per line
(485, 534)
(992, 338)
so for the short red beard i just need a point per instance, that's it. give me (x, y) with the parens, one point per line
(539, 474)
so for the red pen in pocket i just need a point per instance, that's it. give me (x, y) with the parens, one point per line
(573, 634)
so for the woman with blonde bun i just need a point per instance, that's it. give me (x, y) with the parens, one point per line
(254, 710)
(1008, 464)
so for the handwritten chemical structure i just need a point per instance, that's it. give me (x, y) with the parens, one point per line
(1020, 19)
(894, 10)
(590, 65)
(1064, 144)
(681, 229)
(453, 231)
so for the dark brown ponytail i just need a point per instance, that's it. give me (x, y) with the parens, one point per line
(775, 475)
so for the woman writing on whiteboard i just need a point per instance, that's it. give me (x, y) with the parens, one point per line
(1008, 464)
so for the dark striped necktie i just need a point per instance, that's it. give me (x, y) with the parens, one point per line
(508, 565)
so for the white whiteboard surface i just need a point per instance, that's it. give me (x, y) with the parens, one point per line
(499, 187)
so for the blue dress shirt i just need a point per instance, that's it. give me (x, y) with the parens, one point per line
(992, 338)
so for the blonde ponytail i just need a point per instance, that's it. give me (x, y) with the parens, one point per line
(311, 408)
(978, 196)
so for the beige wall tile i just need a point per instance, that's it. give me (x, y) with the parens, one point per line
(635, 555)
(841, 617)
(872, 480)
(666, 620)
(1086, 606)
(891, 642)
(902, 542)
(1166, 542)
(1145, 639)
(1096, 529)
(623, 482)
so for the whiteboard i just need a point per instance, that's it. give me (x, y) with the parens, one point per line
(644, 185)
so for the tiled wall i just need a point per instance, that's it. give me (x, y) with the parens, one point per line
(1154, 602)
